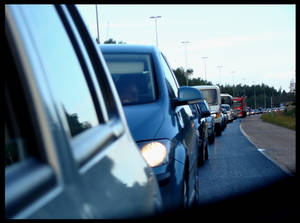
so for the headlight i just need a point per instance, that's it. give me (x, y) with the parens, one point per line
(155, 153)
(214, 115)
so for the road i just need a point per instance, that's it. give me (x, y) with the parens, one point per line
(277, 143)
(237, 172)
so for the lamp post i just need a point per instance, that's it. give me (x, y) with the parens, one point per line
(219, 73)
(264, 97)
(254, 95)
(155, 17)
(232, 72)
(204, 59)
(244, 86)
(185, 50)
(98, 38)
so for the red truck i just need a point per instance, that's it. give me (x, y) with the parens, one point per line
(239, 105)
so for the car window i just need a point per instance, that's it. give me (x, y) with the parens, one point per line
(133, 76)
(18, 141)
(171, 83)
(202, 107)
(15, 150)
(210, 96)
(63, 71)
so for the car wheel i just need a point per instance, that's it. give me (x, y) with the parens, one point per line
(201, 155)
(211, 139)
(219, 131)
(197, 197)
(185, 193)
(206, 151)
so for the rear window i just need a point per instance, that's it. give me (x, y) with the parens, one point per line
(210, 95)
(133, 76)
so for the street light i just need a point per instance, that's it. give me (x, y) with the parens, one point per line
(219, 73)
(244, 86)
(155, 17)
(98, 38)
(254, 95)
(264, 97)
(204, 59)
(185, 48)
(232, 72)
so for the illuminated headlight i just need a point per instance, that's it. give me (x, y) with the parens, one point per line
(154, 152)
(215, 116)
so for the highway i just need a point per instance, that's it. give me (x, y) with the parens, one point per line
(239, 180)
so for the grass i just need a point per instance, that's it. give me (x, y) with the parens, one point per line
(285, 118)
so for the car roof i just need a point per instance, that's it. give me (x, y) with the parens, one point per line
(127, 48)
(206, 87)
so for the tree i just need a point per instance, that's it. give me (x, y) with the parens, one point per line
(180, 76)
(110, 41)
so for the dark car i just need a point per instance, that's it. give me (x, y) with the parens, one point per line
(202, 126)
(159, 117)
(225, 118)
(68, 150)
(205, 111)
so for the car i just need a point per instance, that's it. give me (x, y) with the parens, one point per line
(252, 112)
(229, 112)
(159, 117)
(202, 126)
(248, 111)
(211, 94)
(225, 118)
(204, 109)
(68, 150)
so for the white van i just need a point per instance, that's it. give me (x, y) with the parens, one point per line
(211, 93)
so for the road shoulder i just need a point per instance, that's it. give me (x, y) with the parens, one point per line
(277, 143)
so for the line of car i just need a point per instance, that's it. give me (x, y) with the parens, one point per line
(97, 131)
(264, 110)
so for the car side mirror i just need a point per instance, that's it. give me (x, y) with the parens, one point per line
(188, 96)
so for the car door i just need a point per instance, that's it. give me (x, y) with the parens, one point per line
(40, 180)
(115, 166)
(78, 168)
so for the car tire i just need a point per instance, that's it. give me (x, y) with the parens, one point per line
(197, 196)
(201, 156)
(219, 131)
(184, 199)
(211, 139)
(206, 152)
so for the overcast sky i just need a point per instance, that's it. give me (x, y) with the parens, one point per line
(252, 43)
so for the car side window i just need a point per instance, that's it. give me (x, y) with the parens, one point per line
(63, 71)
(171, 83)
(19, 143)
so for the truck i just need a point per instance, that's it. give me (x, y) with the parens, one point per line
(239, 105)
(212, 95)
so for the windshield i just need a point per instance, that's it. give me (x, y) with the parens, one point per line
(226, 100)
(203, 107)
(210, 95)
(237, 103)
(133, 76)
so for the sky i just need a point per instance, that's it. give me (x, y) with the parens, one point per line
(253, 44)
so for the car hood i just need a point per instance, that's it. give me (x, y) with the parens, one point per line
(144, 120)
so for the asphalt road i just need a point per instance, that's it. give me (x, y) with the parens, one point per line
(239, 181)
(235, 167)
(277, 143)
(240, 184)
